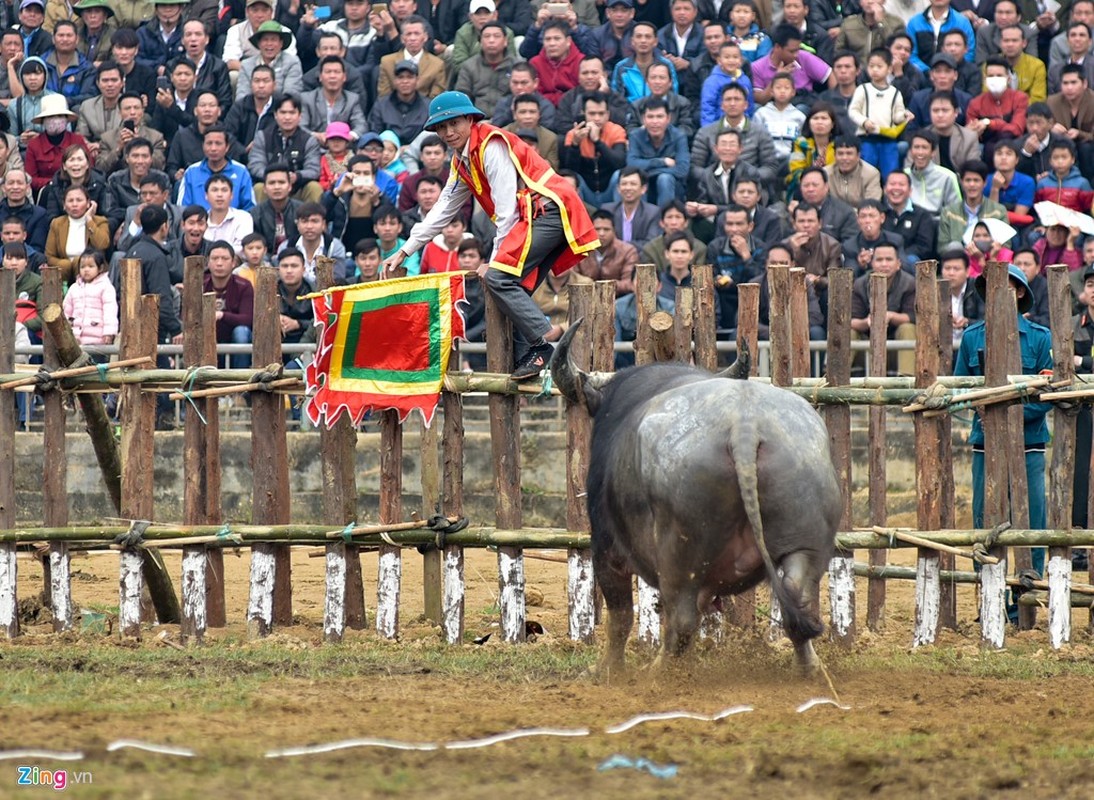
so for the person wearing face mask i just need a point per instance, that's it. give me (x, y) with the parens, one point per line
(999, 112)
(46, 151)
(956, 219)
(982, 246)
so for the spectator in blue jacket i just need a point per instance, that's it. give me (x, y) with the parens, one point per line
(661, 151)
(727, 71)
(927, 39)
(68, 72)
(161, 36)
(629, 75)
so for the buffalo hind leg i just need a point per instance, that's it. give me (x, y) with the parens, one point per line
(802, 623)
(680, 605)
(614, 580)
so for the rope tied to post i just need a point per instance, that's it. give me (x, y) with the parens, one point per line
(347, 532)
(442, 526)
(546, 384)
(265, 377)
(135, 535)
(186, 388)
(980, 550)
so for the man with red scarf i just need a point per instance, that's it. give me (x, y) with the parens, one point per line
(542, 225)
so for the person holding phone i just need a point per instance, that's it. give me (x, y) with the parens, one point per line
(542, 225)
(130, 128)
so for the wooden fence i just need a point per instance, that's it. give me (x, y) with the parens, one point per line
(688, 335)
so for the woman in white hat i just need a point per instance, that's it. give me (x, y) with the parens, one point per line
(45, 152)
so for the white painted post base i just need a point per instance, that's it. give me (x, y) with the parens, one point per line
(775, 618)
(129, 596)
(389, 580)
(260, 601)
(195, 618)
(993, 610)
(581, 593)
(841, 596)
(9, 601)
(511, 594)
(60, 586)
(1059, 600)
(712, 627)
(334, 606)
(928, 600)
(649, 619)
(452, 592)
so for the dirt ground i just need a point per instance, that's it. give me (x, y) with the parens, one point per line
(949, 720)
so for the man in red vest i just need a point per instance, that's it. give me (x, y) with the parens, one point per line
(542, 225)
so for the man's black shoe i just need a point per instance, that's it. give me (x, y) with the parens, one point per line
(533, 363)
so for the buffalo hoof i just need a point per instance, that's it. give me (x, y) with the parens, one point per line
(608, 668)
(806, 658)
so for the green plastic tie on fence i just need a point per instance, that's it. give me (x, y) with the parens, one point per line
(187, 389)
(225, 532)
(546, 385)
(347, 533)
(103, 370)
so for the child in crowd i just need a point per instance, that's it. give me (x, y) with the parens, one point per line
(877, 109)
(982, 247)
(366, 258)
(780, 117)
(335, 160)
(1064, 184)
(440, 255)
(471, 258)
(726, 71)
(745, 31)
(391, 159)
(91, 304)
(389, 227)
(253, 256)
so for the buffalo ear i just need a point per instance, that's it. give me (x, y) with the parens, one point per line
(593, 398)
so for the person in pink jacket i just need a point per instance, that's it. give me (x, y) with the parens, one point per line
(91, 304)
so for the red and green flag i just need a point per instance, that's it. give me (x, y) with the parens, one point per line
(384, 345)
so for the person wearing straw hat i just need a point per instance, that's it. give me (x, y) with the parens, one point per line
(45, 152)
(272, 40)
(542, 225)
(1035, 342)
(95, 28)
(161, 36)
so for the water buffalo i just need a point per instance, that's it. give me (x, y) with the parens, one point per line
(704, 486)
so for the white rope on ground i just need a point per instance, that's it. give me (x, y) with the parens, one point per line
(348, 744)
(149, 747)
(55, 755)
(505, 737)
(663, 715)
(821, 701)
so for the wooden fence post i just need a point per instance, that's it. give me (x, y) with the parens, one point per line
(646, 284)
(837, 418)
(947, 614)
(195, 458)
(742, 608)
(927, 480)
(782, 359)
(799, 324)
(55, 466)
(215, 612)
(1062, 473)
(579, 584)
(877, 427)
(505, 440)
(270, 601)
(452, 594)
(389, 576)
(999, 338)
(9, 599)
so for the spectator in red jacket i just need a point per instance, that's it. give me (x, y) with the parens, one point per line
(999, 112)
(45, 152)
(558, 61)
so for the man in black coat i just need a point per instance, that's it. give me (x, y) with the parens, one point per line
(17, 203)
(277, 204)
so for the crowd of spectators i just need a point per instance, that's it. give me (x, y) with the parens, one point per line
(740, 133)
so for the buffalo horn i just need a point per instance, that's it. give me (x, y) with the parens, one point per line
(739, 369)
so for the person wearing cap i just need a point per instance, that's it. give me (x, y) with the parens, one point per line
(332, 103)
(432, 71)
(46, 151)
(272, 40)
(29, 94)
(372, 147)
(541, 223)
(943, 78)
(95, 28)
(161, 36)
(611, 42)
(485, 74)
(1035, 344)
(237, 42)
(70, 74)
(37, 41)
(334, 162)
(468, 37)
(405, 110)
